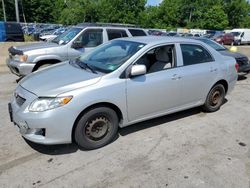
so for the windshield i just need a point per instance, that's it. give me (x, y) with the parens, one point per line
(235, 33)
(110, 56)
(213, 44)
(67, 36)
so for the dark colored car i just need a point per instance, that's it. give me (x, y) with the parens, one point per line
(11, 32)
(213, 34)
(242, 60)
(227, 38)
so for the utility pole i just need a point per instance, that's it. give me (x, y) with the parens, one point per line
(4, 13)
(17, 11)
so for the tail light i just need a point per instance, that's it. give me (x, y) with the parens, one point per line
(237, 66)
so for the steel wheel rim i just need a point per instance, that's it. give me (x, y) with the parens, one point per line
(215, 98)
(97, 128)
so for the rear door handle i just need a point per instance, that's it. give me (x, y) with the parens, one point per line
(176, 77)
(213, 69)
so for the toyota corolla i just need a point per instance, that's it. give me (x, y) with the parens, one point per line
(119, 83)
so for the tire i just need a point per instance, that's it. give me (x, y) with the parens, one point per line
(43, 66)
(96, 128)
(215, 98)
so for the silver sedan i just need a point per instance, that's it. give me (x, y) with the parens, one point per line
(118, 84)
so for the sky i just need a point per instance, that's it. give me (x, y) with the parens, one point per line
(153, 2)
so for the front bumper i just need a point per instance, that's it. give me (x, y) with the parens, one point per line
(19, 68)
(48, 127)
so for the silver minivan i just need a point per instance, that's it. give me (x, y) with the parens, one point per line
(119, 83)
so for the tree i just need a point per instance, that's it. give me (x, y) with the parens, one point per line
(121, 11)
(38, 11)
(149, 17)
(237, 11)
(169, 14)
(213, 18)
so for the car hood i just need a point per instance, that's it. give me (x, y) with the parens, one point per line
(236, 55)
(35, 46)
(57, 79)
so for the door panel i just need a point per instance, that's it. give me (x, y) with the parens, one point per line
(153, 93)
(196, 81)
(87, 41)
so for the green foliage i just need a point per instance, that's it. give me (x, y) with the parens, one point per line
(237, 11)
(204, 14)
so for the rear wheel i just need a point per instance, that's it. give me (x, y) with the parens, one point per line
(96, 128)
(215, 98)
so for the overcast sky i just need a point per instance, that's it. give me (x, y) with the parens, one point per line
(153, 2)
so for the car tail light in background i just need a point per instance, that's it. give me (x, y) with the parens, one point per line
(237, 66)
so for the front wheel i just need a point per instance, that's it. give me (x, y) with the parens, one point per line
(96, 128)
(43, 66)
(215, 98)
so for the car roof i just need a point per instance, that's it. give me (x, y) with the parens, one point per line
(108, 27)
(158, 39)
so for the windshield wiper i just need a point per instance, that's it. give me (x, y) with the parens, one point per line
(83, 65)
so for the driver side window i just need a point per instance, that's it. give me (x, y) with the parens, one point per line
(158, 59)
(90, 38)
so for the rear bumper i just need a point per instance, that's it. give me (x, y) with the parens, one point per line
(19, 68)
(244, 68)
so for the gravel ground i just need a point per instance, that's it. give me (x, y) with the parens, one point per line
(187, 149)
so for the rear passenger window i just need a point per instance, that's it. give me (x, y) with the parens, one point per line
(195, 54)
(116, 33)
(137, 32)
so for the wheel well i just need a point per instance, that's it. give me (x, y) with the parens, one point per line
(224, 83)
(103, 104)
(43, 62)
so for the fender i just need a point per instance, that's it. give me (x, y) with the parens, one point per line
(47, 57)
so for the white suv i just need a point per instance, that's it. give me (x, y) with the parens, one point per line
(69, 45)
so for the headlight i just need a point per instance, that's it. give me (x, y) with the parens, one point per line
(22, 58)
(47, 103)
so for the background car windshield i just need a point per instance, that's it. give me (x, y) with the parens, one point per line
(213, 44)
(112, 55)
(67, 36)
(236, 33)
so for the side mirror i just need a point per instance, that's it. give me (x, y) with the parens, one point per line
(77, 45)
(137, 70)
(61, 42)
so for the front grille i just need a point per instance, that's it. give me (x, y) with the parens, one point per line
(19, 100)
(242, 60)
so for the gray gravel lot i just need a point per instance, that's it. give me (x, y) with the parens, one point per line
(187, 149)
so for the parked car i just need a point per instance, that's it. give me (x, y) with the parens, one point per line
(241, 59)
(119, 83)
(155, 32)
(71, 44)
(171, 34)
(225, 39)
(212, 34)
(241, 36)
(39, 32)
(11, 32)
(52, 34)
